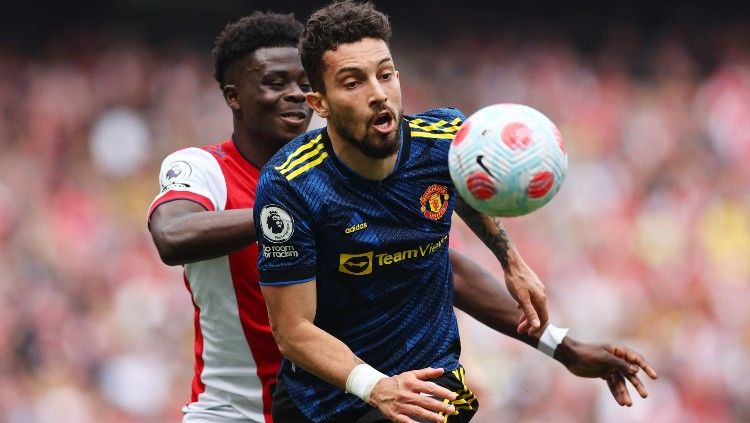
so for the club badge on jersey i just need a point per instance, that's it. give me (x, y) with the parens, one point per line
(434, 201)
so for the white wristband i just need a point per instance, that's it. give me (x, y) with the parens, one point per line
(550, 339)
(362, 380)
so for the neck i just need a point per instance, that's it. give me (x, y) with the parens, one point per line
(362, 164)
(253, 148)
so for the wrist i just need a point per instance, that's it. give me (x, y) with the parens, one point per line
(566, 352)
(514, 261)
(551, 339)
(362, 380)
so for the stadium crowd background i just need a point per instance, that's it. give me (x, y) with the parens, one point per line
(648, 243)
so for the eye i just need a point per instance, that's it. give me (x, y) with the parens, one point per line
(350, 85)
(386, 76)
(276, 84)
(306, 88)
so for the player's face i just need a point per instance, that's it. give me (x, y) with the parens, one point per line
(362, 100)
(271, 94)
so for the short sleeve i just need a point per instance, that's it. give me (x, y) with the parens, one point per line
(286, 241)
(191, 174)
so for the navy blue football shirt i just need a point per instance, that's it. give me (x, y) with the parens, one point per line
(378, 251)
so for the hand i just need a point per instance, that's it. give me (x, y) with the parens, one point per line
(526, 288)
(613, 363)
(400, 397)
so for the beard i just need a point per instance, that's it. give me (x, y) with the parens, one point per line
(376, 147)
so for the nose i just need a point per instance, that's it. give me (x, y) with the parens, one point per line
(294, 94)
(377, 95)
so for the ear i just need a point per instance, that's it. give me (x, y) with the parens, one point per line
(231, 96)
(318, 103)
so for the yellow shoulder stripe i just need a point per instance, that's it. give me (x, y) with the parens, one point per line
(440, 129)
(302, 159)
(308, 166)
(299, 151)
(432, 135)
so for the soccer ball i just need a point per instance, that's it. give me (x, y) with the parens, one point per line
(507, 160)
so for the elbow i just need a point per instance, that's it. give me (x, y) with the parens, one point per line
(170, 260)
(283, 339)
(167, 248)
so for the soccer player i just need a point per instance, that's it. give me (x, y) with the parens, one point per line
(353, 257)
(203, 219)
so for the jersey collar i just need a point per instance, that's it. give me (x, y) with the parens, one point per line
(403, 155)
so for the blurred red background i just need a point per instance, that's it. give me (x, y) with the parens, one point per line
(648, 242)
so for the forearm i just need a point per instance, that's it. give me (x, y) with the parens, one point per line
(291, 312)
(203, 235)
(316, 351)
(482, 296)
(491, 232)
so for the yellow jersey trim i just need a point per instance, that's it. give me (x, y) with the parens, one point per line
(299, 151)
(307, 167)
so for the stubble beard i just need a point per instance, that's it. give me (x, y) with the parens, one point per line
(376, 149)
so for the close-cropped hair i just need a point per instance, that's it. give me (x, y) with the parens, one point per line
(255, 31)
(341, 22)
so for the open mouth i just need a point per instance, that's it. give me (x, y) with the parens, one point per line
(384, 122)
(294, 115)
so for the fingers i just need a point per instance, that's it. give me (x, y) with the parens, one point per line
(638, 385)
(417, 398)
(618, 364)
(634, 359)
(429, 406)
(619, 390)
(435, 390)
(539, 300)
(523, 322)
(527, 306)
(419, 413)
(427, 373)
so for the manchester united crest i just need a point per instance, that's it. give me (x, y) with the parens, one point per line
(434, 201)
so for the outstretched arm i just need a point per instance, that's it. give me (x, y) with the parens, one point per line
(184, 231)
(481, 296)
(522, 283)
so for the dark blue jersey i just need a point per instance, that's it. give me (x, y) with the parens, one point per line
(378, 251)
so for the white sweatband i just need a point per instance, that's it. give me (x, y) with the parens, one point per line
(550, 339)
(362, 380)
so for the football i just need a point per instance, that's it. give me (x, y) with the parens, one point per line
(508, 160)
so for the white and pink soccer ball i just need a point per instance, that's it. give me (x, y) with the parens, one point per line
(508, 160)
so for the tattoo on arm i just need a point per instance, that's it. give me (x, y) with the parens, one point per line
(488, 228)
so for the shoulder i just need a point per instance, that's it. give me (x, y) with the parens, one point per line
(448, 114)
(296, 157)
(186, 163)
(193, 154)
(440, 124)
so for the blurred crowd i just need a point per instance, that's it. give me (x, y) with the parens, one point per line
(647, 243)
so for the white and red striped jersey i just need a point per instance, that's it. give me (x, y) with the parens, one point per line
(236, 358)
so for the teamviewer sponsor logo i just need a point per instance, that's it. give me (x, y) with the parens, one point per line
(356, 264)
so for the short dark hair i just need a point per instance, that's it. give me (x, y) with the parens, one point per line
(258, 30)
(338, 23)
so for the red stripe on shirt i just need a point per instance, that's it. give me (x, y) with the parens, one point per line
(241, 183)
(198, 387)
